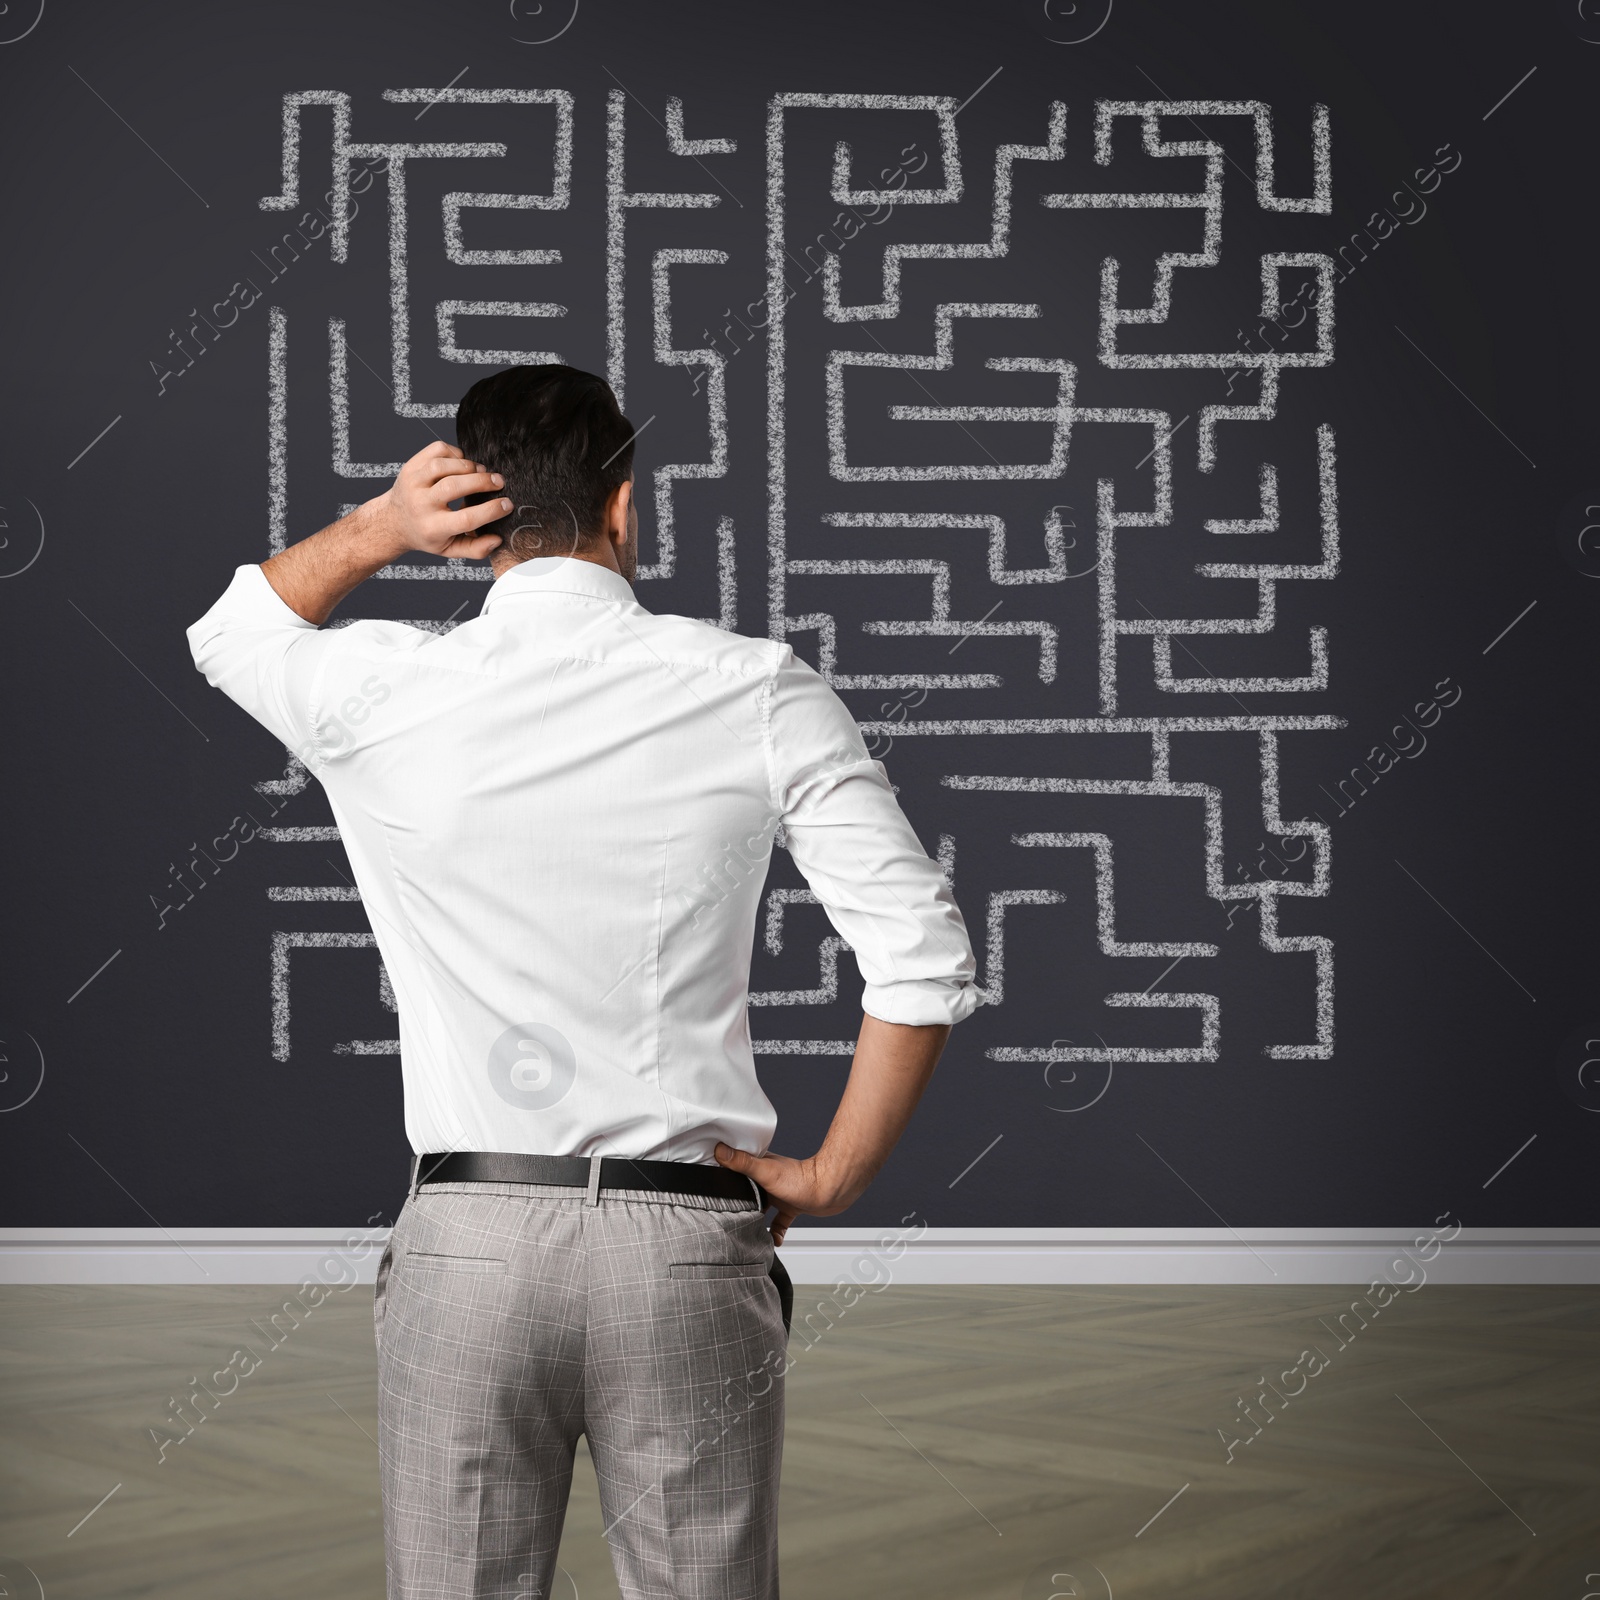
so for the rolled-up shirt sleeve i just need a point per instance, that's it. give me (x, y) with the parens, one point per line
(855, 847)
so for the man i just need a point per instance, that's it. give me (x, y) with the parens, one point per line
(559, 816)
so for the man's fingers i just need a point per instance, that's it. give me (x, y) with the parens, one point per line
(761, 1168)
(450, 532)
(771, 1172)
(438, 452)
(426, 472)
(467, 518)
(768, 1171)
(474, 549)
(460, 487)
(464, 479)
(787, 1182)
(739, 1160)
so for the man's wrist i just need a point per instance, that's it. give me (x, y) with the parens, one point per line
(374, 531)
(843, 1181)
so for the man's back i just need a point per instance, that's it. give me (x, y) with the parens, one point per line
(559, 816)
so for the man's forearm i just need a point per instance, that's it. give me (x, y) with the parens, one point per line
(892, 1066)
(893, 1063)
(313, 576)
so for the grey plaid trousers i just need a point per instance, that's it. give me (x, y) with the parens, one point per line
(510, 1319)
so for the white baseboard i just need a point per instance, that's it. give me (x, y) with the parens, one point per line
(868, 1256)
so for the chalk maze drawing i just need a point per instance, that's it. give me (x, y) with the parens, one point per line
(902, 458)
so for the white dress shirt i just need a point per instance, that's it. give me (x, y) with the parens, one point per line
(559, 816)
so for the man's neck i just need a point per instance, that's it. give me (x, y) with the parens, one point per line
(602, 555)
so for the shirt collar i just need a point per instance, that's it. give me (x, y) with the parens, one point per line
(559, 575)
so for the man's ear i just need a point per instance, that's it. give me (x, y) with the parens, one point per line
(622, 504)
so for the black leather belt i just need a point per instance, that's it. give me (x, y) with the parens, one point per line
(573, 1172)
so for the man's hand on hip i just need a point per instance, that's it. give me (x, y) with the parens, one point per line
(893, 1063)
(798, 1188)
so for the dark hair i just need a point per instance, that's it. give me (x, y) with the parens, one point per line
(562, 444)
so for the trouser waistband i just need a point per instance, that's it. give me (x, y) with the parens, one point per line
(593, 1174)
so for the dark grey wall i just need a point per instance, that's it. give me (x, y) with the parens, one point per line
(1357, 997)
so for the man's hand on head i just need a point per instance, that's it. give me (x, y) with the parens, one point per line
(414, 513)
(416, 507)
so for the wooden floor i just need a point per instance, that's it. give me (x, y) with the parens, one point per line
(965, 1443)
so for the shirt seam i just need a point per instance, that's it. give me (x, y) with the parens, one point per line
(655, 658)
(661, 912)
(674, 659)
(557, 588)
(768, 692)
(358, 651)
(313, 692)
(392, 658)
(397, 881)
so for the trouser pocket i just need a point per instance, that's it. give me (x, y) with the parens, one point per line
(385, 1261)
(780, 1276)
